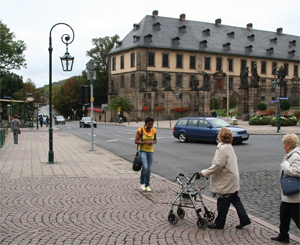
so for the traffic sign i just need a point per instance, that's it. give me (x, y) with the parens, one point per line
(274, 101)
(283, 98)
(119, 108)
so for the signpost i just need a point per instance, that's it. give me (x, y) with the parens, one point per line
(91, 74)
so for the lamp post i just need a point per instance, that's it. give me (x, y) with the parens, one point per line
(281, 75)
(67, 64)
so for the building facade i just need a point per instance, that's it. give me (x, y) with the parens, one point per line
(176, 63)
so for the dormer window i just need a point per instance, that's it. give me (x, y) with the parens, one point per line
(148, 38)
(136, 27)
(249, 48)
(118, 44)
(156, 26)
(251, 37)
(274, 40)
(292, 43)
(270, 50)
(136, 38)
(203, 44)
(292, 53)
(182, 29)
(176, 40)
(230, 34)
(226, 46)
(206, 32)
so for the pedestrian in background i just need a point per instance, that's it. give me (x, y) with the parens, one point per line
(47, 121)
(41, 120)
(145, 138)
(15, 127)
(290, 205)
(225, 181)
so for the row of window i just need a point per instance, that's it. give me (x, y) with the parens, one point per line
(207, 63)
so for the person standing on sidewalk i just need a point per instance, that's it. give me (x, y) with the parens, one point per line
(225, 181)
(15, 127)
(145, 139)
(290, 205)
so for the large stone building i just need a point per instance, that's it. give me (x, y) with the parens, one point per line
(163, 57)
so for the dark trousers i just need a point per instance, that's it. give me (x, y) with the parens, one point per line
(288, 211)
(223, 205)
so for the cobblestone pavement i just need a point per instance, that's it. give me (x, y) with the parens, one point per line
(106, 211)
(94, 198)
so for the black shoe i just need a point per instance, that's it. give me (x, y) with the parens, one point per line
(241, 226)
(285, 239)
(215, 226)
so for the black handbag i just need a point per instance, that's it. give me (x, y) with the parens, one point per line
(137, 163)
(290, 185)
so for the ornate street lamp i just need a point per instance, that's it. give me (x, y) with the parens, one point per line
(281, 75)
(67, 65)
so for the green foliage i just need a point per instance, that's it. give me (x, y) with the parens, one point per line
(123, 102)
(100, 55)
(232, 101)
(11, 52)
(285, 121)
(260, 120)
(66, 96)
(215, 103)
(262, 106)
(285, 105)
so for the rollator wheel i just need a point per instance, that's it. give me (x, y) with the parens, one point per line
(209, 216)
(173, 218)
(180, 212)
(202, 223)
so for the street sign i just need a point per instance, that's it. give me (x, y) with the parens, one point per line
(91, 74)
(91, 65)
(119, 108)
(30, 99)
(283, 98)
(274, 101)
(6, 97)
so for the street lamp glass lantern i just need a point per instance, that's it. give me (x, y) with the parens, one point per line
(67, 62)
(275, 84)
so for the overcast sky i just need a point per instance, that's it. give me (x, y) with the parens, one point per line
(31, 21)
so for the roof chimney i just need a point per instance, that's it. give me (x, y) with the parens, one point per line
(182, 17)
(279, 30)
(218, 22)
(249, 26)
(155, 13)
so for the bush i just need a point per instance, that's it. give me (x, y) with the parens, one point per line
(215, 103)
(232, 101)
(285, 105)
(261, 106)
(260, 120)
(285, 121)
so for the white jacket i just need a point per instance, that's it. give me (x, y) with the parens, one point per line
(291, 167)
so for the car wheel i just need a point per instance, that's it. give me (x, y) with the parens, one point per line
(216, 139)
(182, 137)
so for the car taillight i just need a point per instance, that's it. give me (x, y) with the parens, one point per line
(174, 129)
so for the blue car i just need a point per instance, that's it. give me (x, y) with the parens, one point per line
(206, 129)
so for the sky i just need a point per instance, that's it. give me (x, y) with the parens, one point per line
(31, 21)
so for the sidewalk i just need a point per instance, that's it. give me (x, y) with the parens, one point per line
(94, 198)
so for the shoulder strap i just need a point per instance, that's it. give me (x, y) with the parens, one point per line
(288, 158)
(142, 140)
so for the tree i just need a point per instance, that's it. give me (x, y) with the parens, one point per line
(99, 53)
(11, 52)
(123, 102)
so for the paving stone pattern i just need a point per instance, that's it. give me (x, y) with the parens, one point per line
(60, 210)
(260, 196)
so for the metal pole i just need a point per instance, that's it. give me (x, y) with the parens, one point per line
(279, 109)
(227, 106)
(37, 112)
(50, 153)
(24, 106)
(92, 113)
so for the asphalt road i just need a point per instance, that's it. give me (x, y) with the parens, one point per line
(259, 153)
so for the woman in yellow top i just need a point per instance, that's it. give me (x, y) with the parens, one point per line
(145, 140)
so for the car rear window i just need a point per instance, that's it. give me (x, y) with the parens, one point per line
(182, 122)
